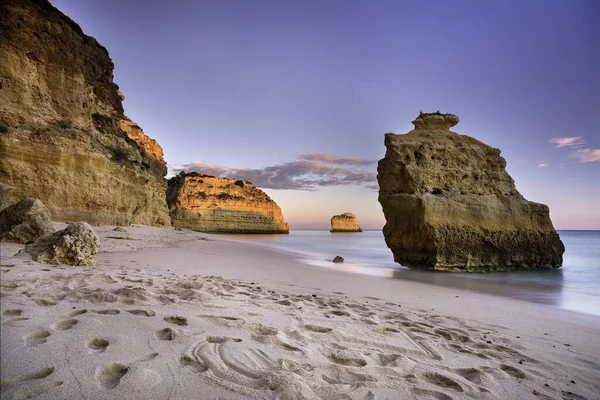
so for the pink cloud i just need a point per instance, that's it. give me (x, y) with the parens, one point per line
(573, 141)
(587, 155)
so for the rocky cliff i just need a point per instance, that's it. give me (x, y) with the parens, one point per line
(220, 205)
(345, 222)
(449, 204)
(64, 138)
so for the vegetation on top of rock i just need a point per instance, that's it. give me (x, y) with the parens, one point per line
(437, 113)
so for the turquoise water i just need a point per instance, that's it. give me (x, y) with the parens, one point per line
(575, 286)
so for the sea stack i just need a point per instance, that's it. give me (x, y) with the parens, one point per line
(345, 222)
(449, 204)
(221, 205)
(64, 137)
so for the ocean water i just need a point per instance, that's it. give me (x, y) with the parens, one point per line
(574, 286)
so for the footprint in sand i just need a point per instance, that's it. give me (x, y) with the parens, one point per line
(442, 381)
(176, 320)
(317, 328)
(35, 338)
(13, 312)
(512, 371)
(471, 374)
(16, 319)
(109, 375)
(64, 324)
(106, 312)
(347, 359)
(97, 345)
(195, 365)
(39, 374)
(337, 346)
(74, 313)
(340, 313)
(430, 394)
(165, 334)
(385, 360)
(144, 313)
(261, 330)
(386, 330)
(44, 302)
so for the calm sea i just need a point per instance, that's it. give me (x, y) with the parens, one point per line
(575, 286)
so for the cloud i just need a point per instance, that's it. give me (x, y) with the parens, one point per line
(333, 159)
(573, 141)
(542, 165)
(587, 155)
(301, 174)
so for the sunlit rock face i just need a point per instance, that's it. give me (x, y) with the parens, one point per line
(345, 222)
(221, 205)
(449, 204)
(148, 145)
(61, 120)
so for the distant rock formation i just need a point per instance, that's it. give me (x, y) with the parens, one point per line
(449, 204)
(345, 222)
(25, 222)
(64, 138)
(221, 205)
(77, 245)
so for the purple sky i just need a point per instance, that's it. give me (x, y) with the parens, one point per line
(270, 90)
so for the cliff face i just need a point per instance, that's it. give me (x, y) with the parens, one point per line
(345, 222)
(220, 205)
(154, 152)
(449, 204)
(60, 125)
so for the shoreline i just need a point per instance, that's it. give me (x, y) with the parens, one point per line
(540, 288)
(319, 333)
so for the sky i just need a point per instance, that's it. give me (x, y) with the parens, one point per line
(296, 96)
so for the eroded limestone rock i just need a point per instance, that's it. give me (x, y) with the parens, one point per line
(449, 204)
(77, 245)
(25, 222)
(60, 124)
(221, 205)
(345, 222)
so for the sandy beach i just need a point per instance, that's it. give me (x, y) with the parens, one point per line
(170, 314)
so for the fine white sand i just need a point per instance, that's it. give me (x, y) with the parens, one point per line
(172, 314)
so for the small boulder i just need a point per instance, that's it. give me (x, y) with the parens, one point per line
(338, 259)
(25, 222)
(77, 245)
(119, 229)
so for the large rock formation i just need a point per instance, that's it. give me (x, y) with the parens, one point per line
(345, 222)
(221, 205)
(77, 245)
(64, 138)
(449, 204)
(25, 222)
